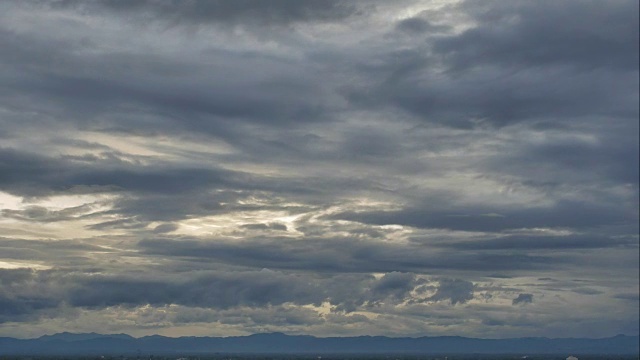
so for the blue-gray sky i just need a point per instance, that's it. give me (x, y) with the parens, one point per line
(403, 168)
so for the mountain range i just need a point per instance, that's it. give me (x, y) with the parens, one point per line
(116, 344)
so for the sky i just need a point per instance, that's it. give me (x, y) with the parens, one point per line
(397, 168)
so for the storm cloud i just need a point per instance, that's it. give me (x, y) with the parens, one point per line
(523, 299)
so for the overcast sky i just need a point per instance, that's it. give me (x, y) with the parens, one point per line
(399, 168)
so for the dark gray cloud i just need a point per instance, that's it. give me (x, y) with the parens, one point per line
(280, 12)
(587, 291)
(503, 97)
(42, 214)
(270, 226)
(20, 308)
(584, 34)
(523, 299)
(563, 214)
(165, 228)
(142, 94)
(33, 175)
(155, 192)
(21, 302)
(545, 242)
(522, 62)
(417, 25)
(627, 296)
(579, 160)
(218, 291)
(395, 284)
(341, 255)
(28, 292)
(455, 290)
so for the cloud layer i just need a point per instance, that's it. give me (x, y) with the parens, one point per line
(321, 167)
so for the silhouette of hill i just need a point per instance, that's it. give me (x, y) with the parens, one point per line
(92, 343)
(67, 336)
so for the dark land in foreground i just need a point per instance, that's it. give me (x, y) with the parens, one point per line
(115, 345)
(326, 357)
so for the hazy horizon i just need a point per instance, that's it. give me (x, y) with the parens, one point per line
(54, 334)
(321, 167)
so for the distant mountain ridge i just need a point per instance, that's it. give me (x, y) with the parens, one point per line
(67, 336)
(115, 344)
